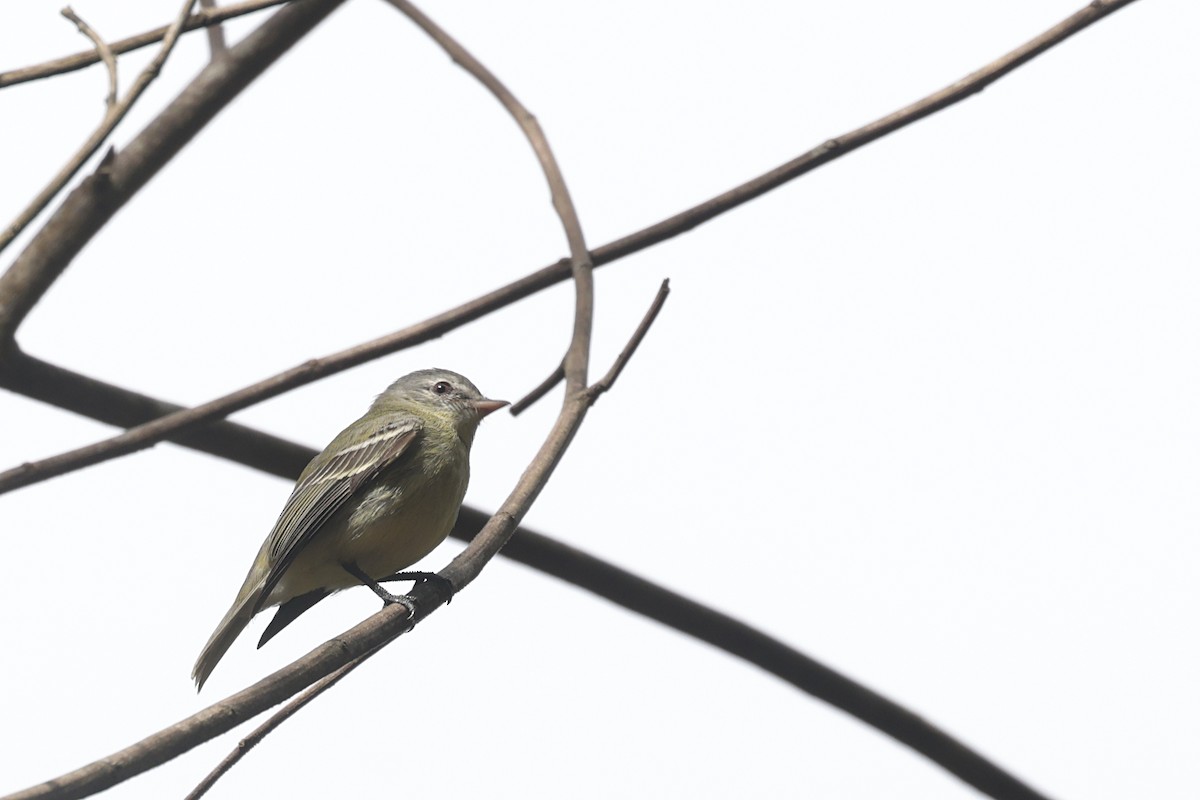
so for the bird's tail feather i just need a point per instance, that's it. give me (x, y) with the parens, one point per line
(235, 621)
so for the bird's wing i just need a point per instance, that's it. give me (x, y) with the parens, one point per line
(325, 489)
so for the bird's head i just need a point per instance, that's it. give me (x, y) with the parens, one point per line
(446, 395)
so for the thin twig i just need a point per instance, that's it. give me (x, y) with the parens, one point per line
(274, 721)
(604, 384)
(98, 197)
(201, 19)
(112, 118)
(216, 34)
(103, 50)
(539, 391)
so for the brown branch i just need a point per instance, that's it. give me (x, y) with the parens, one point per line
(112, 117)
(201, 19)
(90, 205)
(466, 565)
(604, 384)
(102, 50)
(274, 721)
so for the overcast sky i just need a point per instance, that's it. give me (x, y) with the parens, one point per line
(928, 414)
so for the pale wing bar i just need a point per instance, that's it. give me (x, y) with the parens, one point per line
(319, 495)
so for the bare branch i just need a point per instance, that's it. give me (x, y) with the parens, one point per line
(539, 391)
(391, 622)
(216, 34)
(56, 244)
(202, 19)
(575, 363)
(604, 384)
(103, 50)
(274, 721)
(112, 117)
(90, 205)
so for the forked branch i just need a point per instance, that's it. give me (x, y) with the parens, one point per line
(114, 113)
(201, 19)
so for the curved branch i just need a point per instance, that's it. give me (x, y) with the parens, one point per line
(576, 362)
(466, 566)
(86, 215)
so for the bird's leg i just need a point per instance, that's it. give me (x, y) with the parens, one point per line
(443, 584)
(387, 597)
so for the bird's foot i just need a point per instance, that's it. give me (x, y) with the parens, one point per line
(387, 597)
(444, 585)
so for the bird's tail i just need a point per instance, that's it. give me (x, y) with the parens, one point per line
(235, 621)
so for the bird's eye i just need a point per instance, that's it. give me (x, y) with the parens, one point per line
(441, 387)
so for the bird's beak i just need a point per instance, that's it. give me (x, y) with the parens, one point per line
(485, 407)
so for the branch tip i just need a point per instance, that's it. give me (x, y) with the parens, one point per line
(539, 391)
(604, 384)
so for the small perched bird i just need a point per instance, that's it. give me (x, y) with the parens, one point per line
(384, 493)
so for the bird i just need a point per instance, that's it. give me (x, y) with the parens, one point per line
(383, 494)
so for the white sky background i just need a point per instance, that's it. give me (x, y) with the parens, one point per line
(928, 414)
